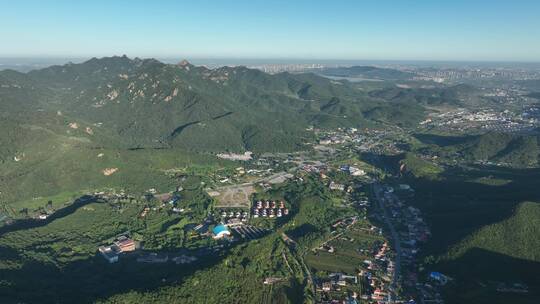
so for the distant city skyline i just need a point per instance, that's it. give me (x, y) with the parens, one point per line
(276, 30)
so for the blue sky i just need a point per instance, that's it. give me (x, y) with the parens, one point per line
(386, 30)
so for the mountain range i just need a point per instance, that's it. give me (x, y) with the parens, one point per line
(143, 103)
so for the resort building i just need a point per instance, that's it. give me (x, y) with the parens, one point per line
(221, 231)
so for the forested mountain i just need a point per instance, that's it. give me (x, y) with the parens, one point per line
(515, 150)
(63, 125)
(519, 150)
(146, 103)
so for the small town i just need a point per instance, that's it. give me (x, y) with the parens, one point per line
(487, 120)
(380, 243)
(368, 256)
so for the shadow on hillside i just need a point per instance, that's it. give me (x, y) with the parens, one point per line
(302, 230)
(455, 208)
(82, 281)
(456, 204)
(487, 267)
(389, 163)
(8, 253)
(472, 171)
(441, 140)
(34, 223)
(89, 280)
(288, 293)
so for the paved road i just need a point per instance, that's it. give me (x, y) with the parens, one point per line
(377, 189)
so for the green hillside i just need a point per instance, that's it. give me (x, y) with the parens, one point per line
(518, 150)
(62, 126)
(505, 251)
(482, 233)
(145, 103)
(509, 149)
(64, 252)
(418, 167)
(521, 230)
(57, 120)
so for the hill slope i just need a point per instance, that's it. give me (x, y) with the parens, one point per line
(63, 125)
(145, 103)
(519, 150)
(515, 150)
(515, 236)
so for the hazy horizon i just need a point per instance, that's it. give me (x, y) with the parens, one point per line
(25, 64)
(461, 31)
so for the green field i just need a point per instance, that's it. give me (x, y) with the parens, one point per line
(346, 257)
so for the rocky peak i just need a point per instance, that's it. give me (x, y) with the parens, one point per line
(184, 63)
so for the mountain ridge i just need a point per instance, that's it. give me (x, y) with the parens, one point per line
(143, 102)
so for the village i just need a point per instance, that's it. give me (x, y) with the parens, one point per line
(367, 257)
(462, 120)
(379, 243)
(381, 272)
(371, 256)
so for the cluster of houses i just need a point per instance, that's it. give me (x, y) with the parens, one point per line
(338, 137)
(165, 199)
(372, 140)
(414, 230)
(234, 156)
(336, 281)
(269, 209)
(378, 273)
(125, 245)
(171, 199)
(345, 223)
(336, 186)
(352, 170)
(375, 272)
(122, 244)
(489, 119)
(239, 215)
(310, 168)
